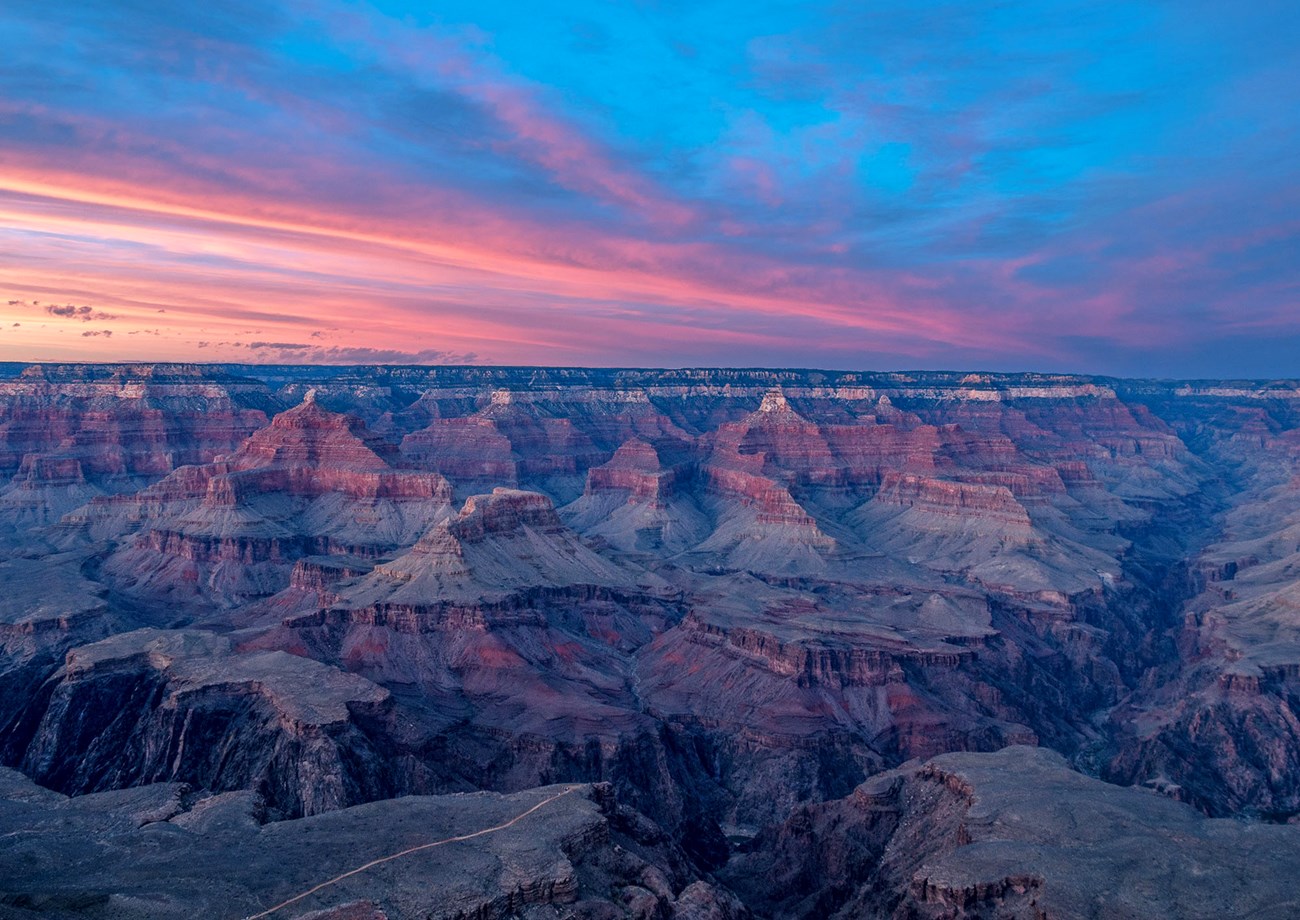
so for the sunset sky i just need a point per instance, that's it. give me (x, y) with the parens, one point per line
(1047, 185)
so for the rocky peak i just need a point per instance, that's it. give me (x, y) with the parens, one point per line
(775, 409)
(311, 415)
(775, 401)
(500, 543)
(504, 511)
(635, 454)
(636, 468)
(310, 434)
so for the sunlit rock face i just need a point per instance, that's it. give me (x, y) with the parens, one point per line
(312, 481)
(779, 615)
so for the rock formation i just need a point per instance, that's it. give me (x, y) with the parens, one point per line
(1016, 834)
(158, 705)
(312, 481)
(733, 596)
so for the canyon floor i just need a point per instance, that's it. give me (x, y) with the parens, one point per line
(704, 644)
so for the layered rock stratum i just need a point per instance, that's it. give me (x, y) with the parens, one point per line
(797, 643)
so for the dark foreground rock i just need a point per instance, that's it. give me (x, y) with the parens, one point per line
(161, 851)
(1014, 834)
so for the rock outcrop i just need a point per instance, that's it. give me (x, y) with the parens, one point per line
(640, 500)
(157, 705)
(1015, 834)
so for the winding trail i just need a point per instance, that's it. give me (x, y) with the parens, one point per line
(409, 850)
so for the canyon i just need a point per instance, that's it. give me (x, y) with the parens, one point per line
(782, 643)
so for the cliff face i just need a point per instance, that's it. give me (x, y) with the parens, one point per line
(1016, 834)
(157, 705)
(728, 594)
(121, 424)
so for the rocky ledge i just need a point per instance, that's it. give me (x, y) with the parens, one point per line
(161, 851)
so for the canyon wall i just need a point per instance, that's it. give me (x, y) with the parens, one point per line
(733, 596)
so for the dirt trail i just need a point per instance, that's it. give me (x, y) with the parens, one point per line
(408, 851)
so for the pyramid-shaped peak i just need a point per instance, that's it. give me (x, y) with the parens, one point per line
(775, 408)
(311, 414)
(310, 434)
(499, 543)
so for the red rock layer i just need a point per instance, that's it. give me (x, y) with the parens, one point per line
(129, 423)
(504, 511)
(770, 499)
(637, 469)
(952, 499)
(306, 452)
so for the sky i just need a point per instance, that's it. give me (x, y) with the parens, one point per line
(1089, 187)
